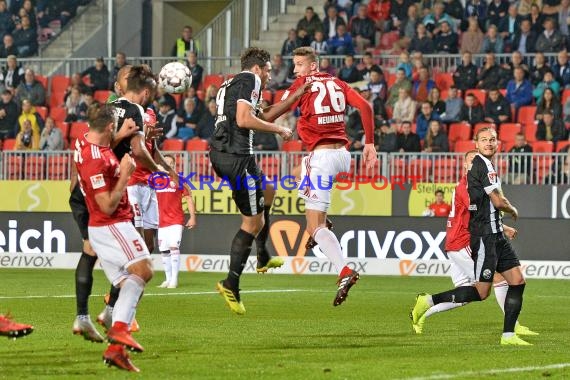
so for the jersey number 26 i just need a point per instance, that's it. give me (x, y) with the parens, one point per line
(335, 94)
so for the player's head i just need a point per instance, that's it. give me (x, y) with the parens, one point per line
(102, 119)
(141, 81)
(170, 160)
(486, 142)
(305, 61)
(468, 160)
(121, 83)
(439, 196)
(258, 61)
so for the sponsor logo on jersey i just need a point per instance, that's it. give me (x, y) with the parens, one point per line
(492, 177)
(97, 181)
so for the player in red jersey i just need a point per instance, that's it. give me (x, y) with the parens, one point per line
(121, 250)
(459, 253)
(171, 225)
(321, 127)
(13, 329)
(438, 208)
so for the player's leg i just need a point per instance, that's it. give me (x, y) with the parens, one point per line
(175, 236)
(149, 208)
(501, 287)
(165, 255)
(264, 259)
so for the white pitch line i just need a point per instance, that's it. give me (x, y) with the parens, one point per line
(163, 294)
(491, 372)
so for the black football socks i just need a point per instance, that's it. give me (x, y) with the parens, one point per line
(84, 282)
(241, 248)
(461, 294)
(513, 305)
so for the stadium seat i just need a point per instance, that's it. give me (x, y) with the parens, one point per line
(78, 129)
(562, 145)
(542, 147)
(445, 170)
(101, 96)
(42, 111)
(508, 131)
(479, 126)
(270, 166)
(9, 144)
(526, 115)
(501, 165)
(508, 145)
(565, 96)
(464, 146)
(458, 131)
(43, 80)
(420, 167)
(398, 166)
(58, 113)
(35, 167)
(13, 165)
(178, 99)
(196, 145)
(543, 166)
(388, 39)
(64, 128)
(56, 99)
(292, 146)
(59, 83)
(214, 79)
(390, 78)
(479, 94)
(202, 166)
(57, 167)
(173, 145)
(530, 132)
(444, 81)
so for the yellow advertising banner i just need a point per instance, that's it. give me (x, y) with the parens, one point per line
(53, 196)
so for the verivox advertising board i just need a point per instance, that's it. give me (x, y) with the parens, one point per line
(402, 238)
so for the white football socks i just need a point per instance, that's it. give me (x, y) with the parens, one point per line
(444, 306)
(329, 245)
(501, 290)
(175, 264)
(167, 264)
(131, 291)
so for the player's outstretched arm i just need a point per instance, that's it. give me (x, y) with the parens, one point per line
(191, 208)
(246, 119)
(502, 203)
(272, 112)
(141, 153)
(109, 200)
(367, 114)
(128, 129)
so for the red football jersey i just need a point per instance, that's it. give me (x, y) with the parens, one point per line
(141, 173)
(457, 236)
(323, 109)
(170, 210)
(99, 170)
(440, 210)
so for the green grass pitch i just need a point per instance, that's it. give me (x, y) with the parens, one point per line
(290, 331)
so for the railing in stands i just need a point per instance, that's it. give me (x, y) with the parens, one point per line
(513, 168)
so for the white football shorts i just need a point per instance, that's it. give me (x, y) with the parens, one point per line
(462, 267)
(169, 237)
(145, 206)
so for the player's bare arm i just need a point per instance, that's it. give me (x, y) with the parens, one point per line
(272, 112)
(191, 208)
(367, 114)
(109, 200)
(502, 203)
(141, 153)
(510, 232)
(73, 178)
(128, 129)
(245, 118)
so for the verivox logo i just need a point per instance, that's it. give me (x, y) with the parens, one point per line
(288, 238)
(407, 267)
(424, 268)
(193, 263)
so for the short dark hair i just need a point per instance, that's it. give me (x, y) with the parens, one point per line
(100, 116)
(140, 77)
(439, 191)
(254, 56)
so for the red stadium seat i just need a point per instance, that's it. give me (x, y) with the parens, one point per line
(543, 166)
(292, 146)
(526, 115)
(58, 113)
(398, 167)
(565, 96)
(43, 80)
(508, 131)
(270, 166)
(479, 126)
(101, 96)
(560, 145)
(479, 94)
(59, 83)
(8, 144)
(56, 99)
(420, 167)
(57, 167)
(42, 111)
(13, 166)
(390, 78)
(542, 147)
(464, 146)
(508, 145)
(64, 128)
(530, 132)
(459, 131)
(78, 129)
(35, 167)
(196, 145)
(444, 170)
(214, 79)
(202, 166)
(173, 145)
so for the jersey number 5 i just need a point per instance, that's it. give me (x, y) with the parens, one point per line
(335, 94)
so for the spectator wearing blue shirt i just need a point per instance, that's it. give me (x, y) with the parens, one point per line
(561, 69)
(422, 121)
(519, 90)
(341, 43)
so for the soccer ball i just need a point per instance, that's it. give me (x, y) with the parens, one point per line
(175, 78)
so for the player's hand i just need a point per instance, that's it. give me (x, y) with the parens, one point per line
(301, 90)
(191, 222)
(128, 128)
(510, 232)
(285, 133)
(153, 132)
(514, 213)
(127, 165)
(370, 156)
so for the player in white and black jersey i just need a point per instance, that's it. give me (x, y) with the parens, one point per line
(232, 158)
(491, 250)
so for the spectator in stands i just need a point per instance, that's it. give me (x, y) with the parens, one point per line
(446, 40)
(6, 23)
(435, 19)
(62, 10)
(510, 25)
(310, 22)
(472, 39)
(195, 69)
(562, 176)
(408, 27)
(490, 75)
(185, 43)
(190, 94)
(205, 127)
(120, 62)
(368, 66)
(536, 19)
(493, 42)
(379, 12)
(497, 11)
(73, 104)
(408, 141)
(51, 137)
(422, 42)
(87, 100)
(453, 105)
(439, 208)
(187, 119)
(385, 138)
(524, 6)
(344, 7)
(167, 118)
(547, 83)
(426, 6)
(436, 139)
(551, 128)
(434, 98)
(422, 86)
(471, 112)
(291, 43)
(404, 108)
(524, 39)
(516, 61)
(475, 9)
(8, 47)
(349, 72)
(551, 40)
(265, 141)
(28, 9)
(76, 81)
(562, 12)
(405, 64)
(331, 22)
(379, 108)
(562, 69)
(465, 76)
(520, 164)
(98, 75)
(497, 108)
(549, 101)
(454, 8)
(377, 85)
(28, 112)
(31, 89)
(326, 67)
(27, 138)
(341, 43)
(303, 37)
(425, 116)
(210, 93)
(319, 44)
(8, 116)
(26, 38)
(519, 90)
(567, 111)
(540, 67)
(363, 30)
(402, 82)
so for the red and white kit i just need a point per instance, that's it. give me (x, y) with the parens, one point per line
(170, 216)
